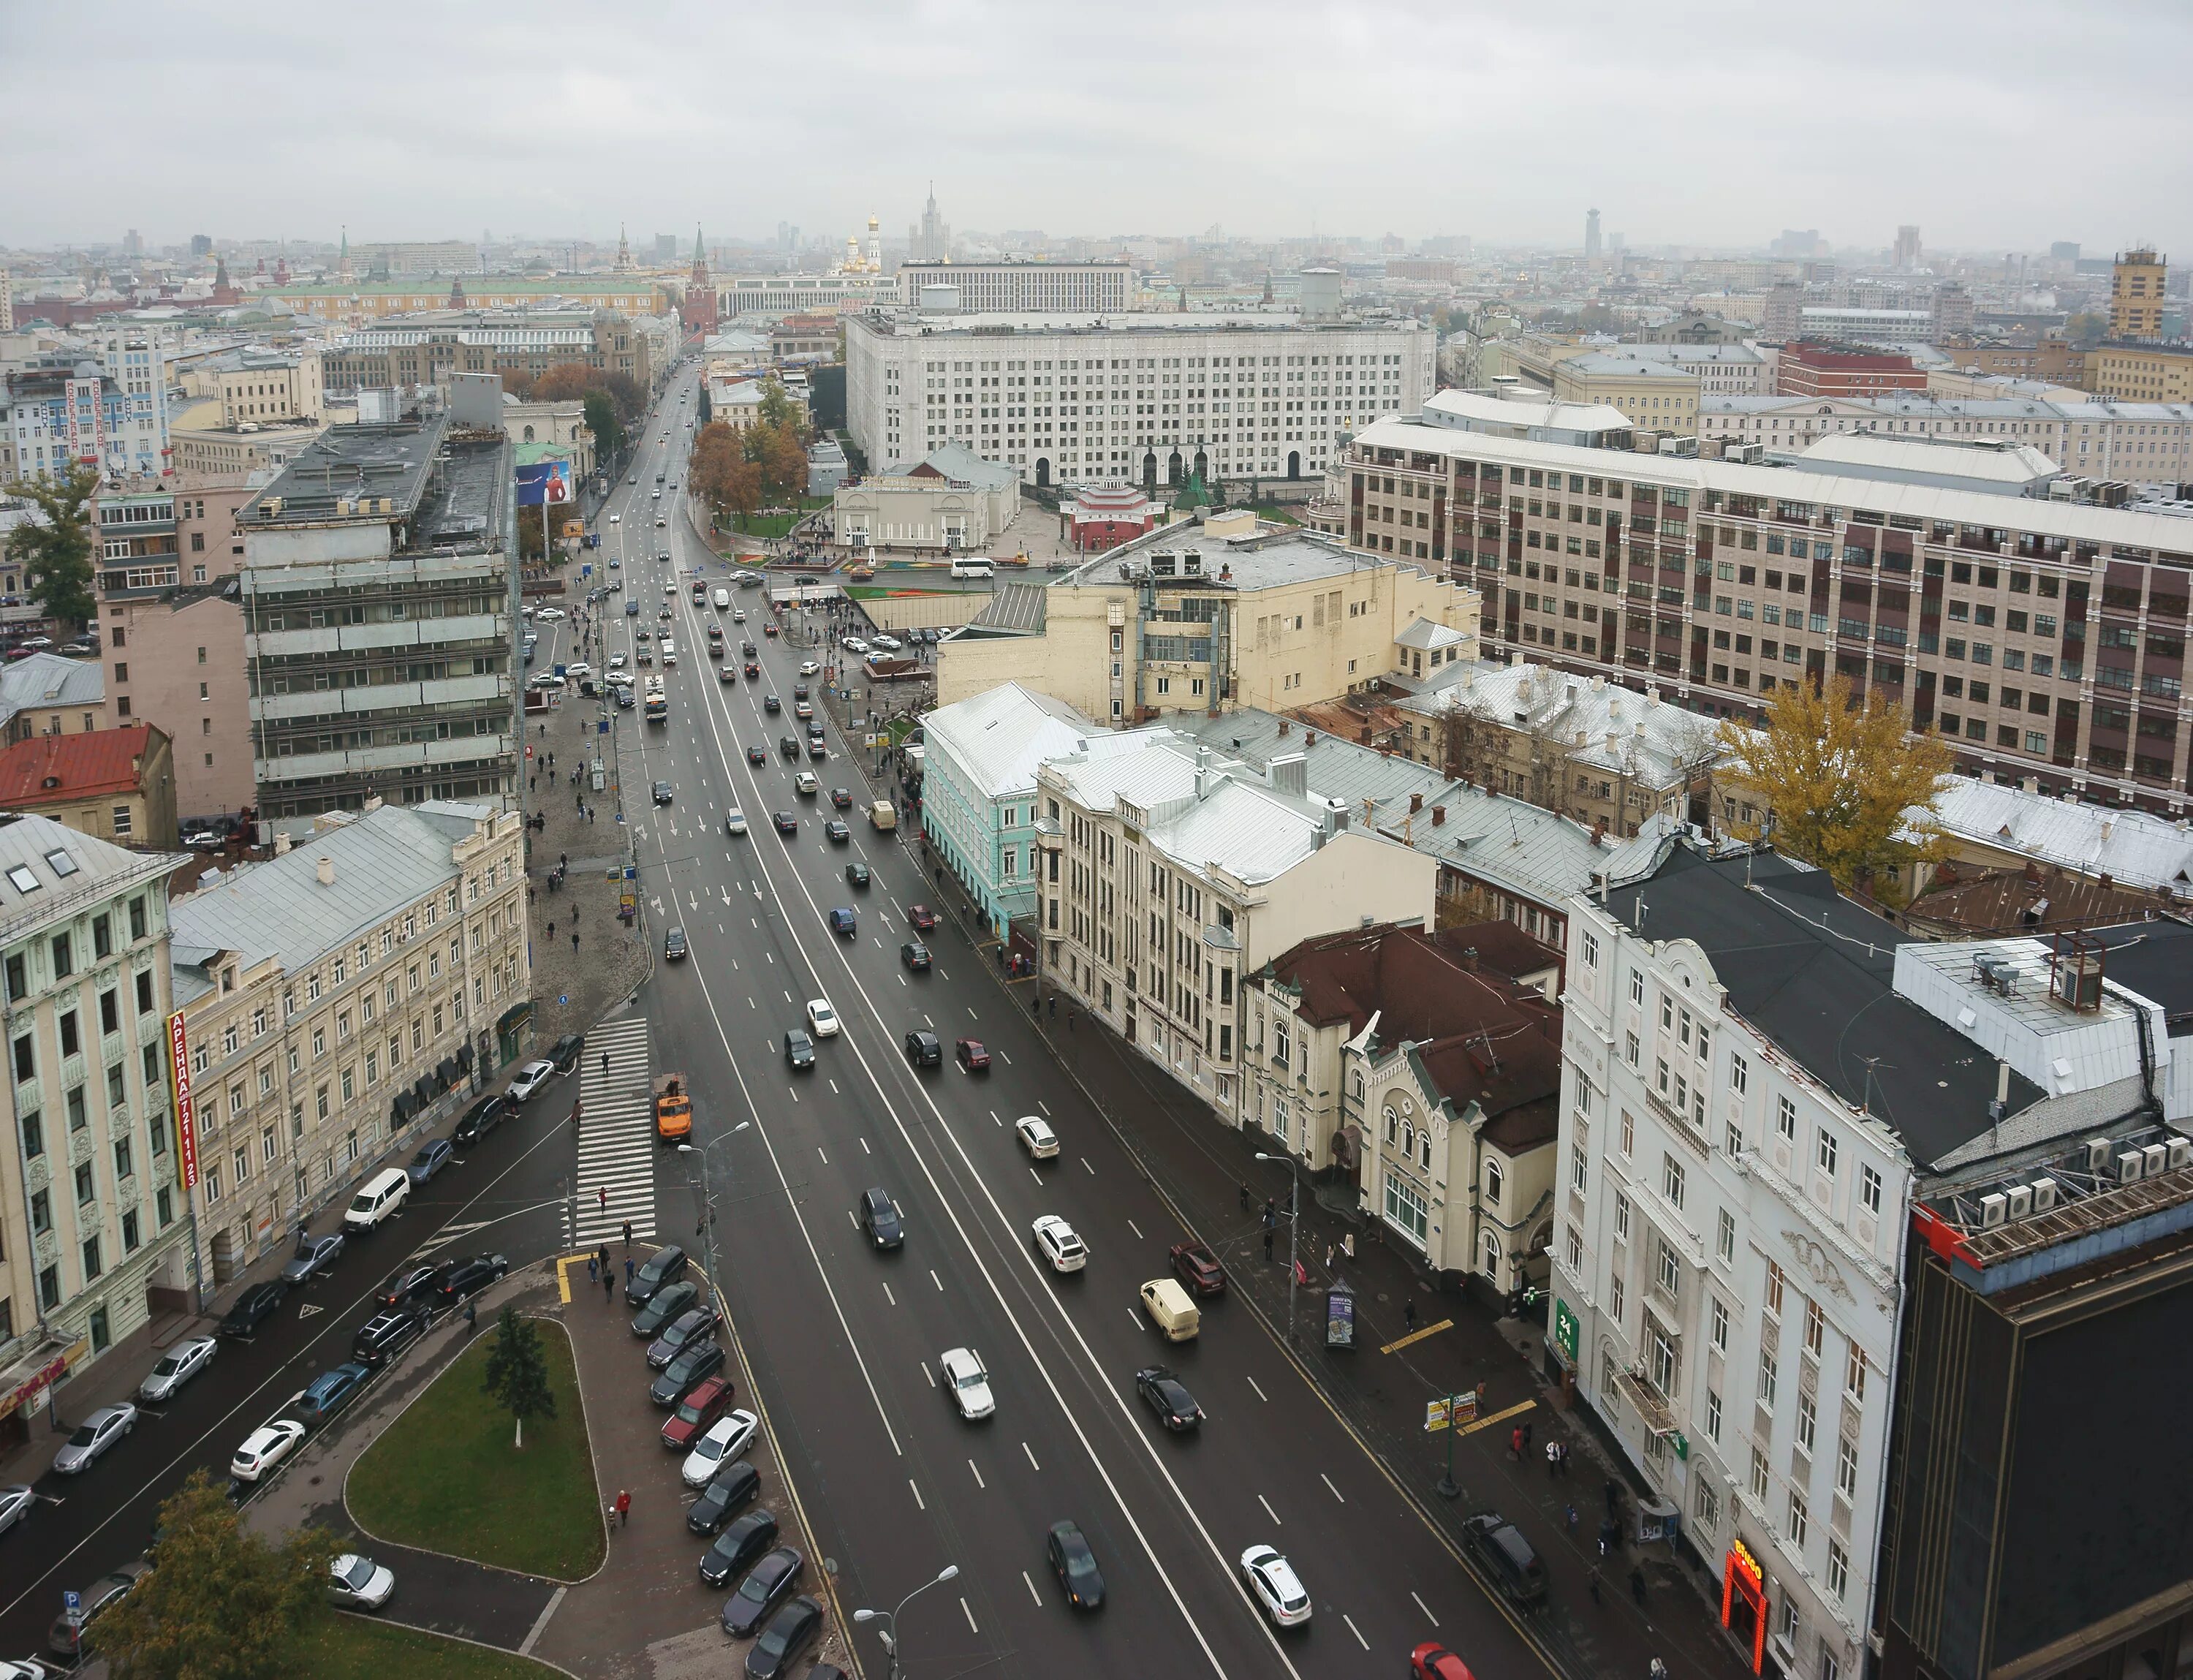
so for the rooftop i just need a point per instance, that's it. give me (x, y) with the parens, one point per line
(49, 870)
(893, 324)
(1593, 721)
(1273, 559)
(437, 491)
(48, 679)
(1489, 414)
(2132, 848)
(1003, 735)
(59, 769)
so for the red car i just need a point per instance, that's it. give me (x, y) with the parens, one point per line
(973, 1057)
(923, 918)
(1433, 1661)
(699, 1409)
(1196, 1266)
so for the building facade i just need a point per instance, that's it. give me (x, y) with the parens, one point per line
(356, 301)
(1025, 288)
(65, 413)
(2141, 373)
(1812, 370)
(2136, 287)
(118, 784)
(178, 663)
(952, 501)
(427, 349)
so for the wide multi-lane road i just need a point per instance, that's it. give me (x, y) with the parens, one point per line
(846, 1341)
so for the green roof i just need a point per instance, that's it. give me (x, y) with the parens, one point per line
(567, 285)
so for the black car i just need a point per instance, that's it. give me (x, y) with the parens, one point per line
(481, 1118)
(673, 945)
(252, 1307)
(769, 702)
(784, 1639)
(732, 1491)
(837, 833)
(757, 756)
(663, 794)
(688, 1325)
(469, 1278)
(841, 798)
(566, 1051)
(798, 1050)
(739, 1547)
(702, 1359)
(880, 1218)
(858, 875)
(789, 746)
(665, 1265)
(416, 1280)
(924, 1049)
(386, 1334)
(915, 955)
(1162, 1393)
(1499, 1549)
(765, 1587)
(668, 1303)
(1075, 1566)
(786, 823)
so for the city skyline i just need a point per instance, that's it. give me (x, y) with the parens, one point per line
(1947, 139)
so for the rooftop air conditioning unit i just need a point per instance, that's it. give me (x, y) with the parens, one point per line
(2181, 1152)
(2098, 1156)
(2021, 1201)
(2044, 1195)
(2131, 1166)
(1994, 1207)
(2157, 1156)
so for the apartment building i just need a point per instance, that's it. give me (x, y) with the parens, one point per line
(2054, 361)
(206, 447)
(763, 298)
(45, 694)
(259, 384)
(1030, 287)
(2141, 373)
(2136, 286)
(1149, 397)
(377, 593)
(2044, 634)
(1170, 875)
(177, 663)
(426, 349)
(350, 300)
(119, 783)
(1177, 622)
(94, 1180)
(340, 1001)
(1810, 369)
(63, 410)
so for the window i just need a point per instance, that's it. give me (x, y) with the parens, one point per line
(1785, 1118)
(1869, 1188)
(1773, 1290)
(1573, 1248)
(1590, 951)
(1717, 1324)
(1662, 1363)
(1801, 1519)
(1630, 1048)
(1739, 1074)
(93, 1264)
(1816, 1328)
(1621, 1218)
(1669, 1269)
(1825, 1154)
(1769, 1375)
(1724, 1236)
(1758, 1474)
(1854, 1373)
(1847, 1467)
(1671, 1180)
(1708, 1503)
(1492, 1178)
(1713, 1418)
(1579, 1171)
(1637, 987)
(1629, 1133)
(1614, 1297)
(1839, 1585)
(1808, 1420)
(87, 1185)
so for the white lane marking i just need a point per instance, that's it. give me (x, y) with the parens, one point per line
(865, 1150)
(979, 1482)
(937, 1281)
(1261, 1394)
(1269, 1512)
(970, 1614)
(1426, 1609)
(1086, 1167)
(1035, 1175)
(825, 1159)
(833, 1087)
(927, 1376)
(1033, 1593)
(1008, 1060)
(918, 1499)
(1356, 1631)
(1030, 1451)
(1044, 1106)
(971, 1015)
(1136, 1316)
(1138, 1231)
(887, 1296)
(1330, 1489)
(994, 1121)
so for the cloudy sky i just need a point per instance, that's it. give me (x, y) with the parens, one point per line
(2005, 124)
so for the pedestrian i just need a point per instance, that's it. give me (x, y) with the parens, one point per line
(1271, 1211)
(1526, 1438)
(1244, 1198)
(1608, 1535)
(1516, 1443)
(605, 1062)
(575, 944)
(628, 1269)
(602, 1256)
(593, 1270)
(1569, 1517)
(1613, 1497)
(608, 1289)
(1408, 1308)
(628, 1238)
(552, 930)
(623, 1507)
(1658, 1672)
(1267, 1243)
(1347, 1245)
(1637, 1583)
(1054, 1006)
(1552, 1460)
(603, 1192)
(472, 1320)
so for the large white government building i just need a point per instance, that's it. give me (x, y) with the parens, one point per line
(1152, 398)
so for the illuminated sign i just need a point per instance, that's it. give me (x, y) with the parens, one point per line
(178, 1081)
(1743, 1581)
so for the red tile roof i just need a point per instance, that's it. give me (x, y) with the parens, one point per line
(52, 769)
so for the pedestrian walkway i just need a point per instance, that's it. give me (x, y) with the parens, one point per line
(616, 1136)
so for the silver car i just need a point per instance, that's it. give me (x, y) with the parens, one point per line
(314, 1255)
(16, 1502)
(181, 1363)
(98, 1432)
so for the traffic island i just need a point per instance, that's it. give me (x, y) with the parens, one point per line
(445, 1477)
(338, 1646)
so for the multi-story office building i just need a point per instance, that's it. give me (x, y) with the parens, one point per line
(1655, 394)
(205, 447)
(2141, 373)
(420, 257)
(1024, 288)
(263, 386)
(1149, 397)
(1810, 369)
(2045, 634)
(94, 1176)
(427, 349)
(354, 300)
(340, 1001)
(2136, 283)
(759, 299)
(377, 589)
(64, 410)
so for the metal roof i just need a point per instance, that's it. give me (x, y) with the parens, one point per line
(48, 679)
(1593, 721)
(49, 871)
(999, 738)
(2131, 847)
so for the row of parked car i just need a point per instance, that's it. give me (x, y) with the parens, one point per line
(678, 1320)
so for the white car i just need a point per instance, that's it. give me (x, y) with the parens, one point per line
(359, 1583)
(1036, 1137)
(727, 1440)
(549, 615)
(17, 1501)
(669, 652)
(854, 644)
(809, 668)
(616, 661)
(580, 669)
(967, 1382)
(807, 783)
(889, 644)
(530, 1078)
(1274, 1586)
(616, 519)
(93, 1436)
(177, 1366)
(265, 1447)
(738, 614)
(821, 1019)
(735, 822)
(1057, 1242)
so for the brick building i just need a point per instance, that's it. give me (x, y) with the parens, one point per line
(1809, 370)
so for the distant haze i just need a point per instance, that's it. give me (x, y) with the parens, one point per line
(1997, 126)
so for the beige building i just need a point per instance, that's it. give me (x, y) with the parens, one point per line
(1179, 621)
(47, 694)
(259, 385)
(952, 501)
(1170, 875)
(563, 424)
(340, 1001)
(341, 300)
(179, 651)
(2141, 373)
(1654, 395)
(2136, 293)
(206, 444)
(117, 783)
(93, 1173)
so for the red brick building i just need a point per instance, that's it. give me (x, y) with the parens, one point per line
(1808, 369)
(1103, 516)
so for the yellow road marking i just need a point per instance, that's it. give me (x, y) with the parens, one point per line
(1498, 1416)
(1419, 1335)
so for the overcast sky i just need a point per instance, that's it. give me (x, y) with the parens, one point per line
(1999, 125)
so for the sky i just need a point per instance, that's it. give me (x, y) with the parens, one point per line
(2003, 125)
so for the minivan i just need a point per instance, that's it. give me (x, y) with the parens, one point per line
(382, 1197)
(386, 1334)
(1171, 1309)
(665, 1265)
(1502, 1552)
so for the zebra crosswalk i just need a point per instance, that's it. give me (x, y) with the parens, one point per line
(615, 1179)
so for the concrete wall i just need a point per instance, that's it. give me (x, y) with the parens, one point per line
(943, 611)
(186, 675)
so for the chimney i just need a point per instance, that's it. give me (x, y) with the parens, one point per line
(325, 868)
(1202, 769)
(1309, 738)
(281, 846)
(1416, 803)
(1439, 816)
(1598, 830)
(1364, 736)
(1469, 958)
(1283, 726)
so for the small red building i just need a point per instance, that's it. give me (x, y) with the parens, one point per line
(1103, 516)
(1808, 369)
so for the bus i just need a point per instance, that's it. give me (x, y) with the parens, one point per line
(974, 568)
(658, 703)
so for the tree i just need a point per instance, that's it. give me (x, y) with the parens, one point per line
(223, 1601)
(1834, 778)
(517, 1374)
(783, 461)
(565, 382)
(779, 413)
(54, 548)
(2085, 328)
(602, 421)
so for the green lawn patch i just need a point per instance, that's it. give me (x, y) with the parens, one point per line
(332, 1647)
(445, 1477)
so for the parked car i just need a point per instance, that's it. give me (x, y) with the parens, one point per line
(1165, 1394)
(924, 1049)
(1196, 1266)
(689, 1326)
(739, 1547)
(1499, 1550)
(329, 1392)
(666, 1264)
(972, 1055)
(1274, 1586)
(697, 1413)
(412, 1280)
(250, 1310)
(784, 1639)
(765, 1587)
(65, 1638)
(668, 1304)
(357, 1583)
(314, 1255)
(967, 1382)
(529, 1079)
(16, 1502)
(93, 1436)
(679, 1377)
(265, 1447)
(481, 1118)
(1075, 1565)
(880, 1218)
(432, 1157)
(732, 1491)
(386, 1334)
(726, 1441)
(177, 1367)
(469, 1278)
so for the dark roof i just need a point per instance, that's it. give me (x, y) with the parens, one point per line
(2030, 900)
(1479, 1035)
(2156, 960)
(1814, 973)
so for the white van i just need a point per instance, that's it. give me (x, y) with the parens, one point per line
(1171, 1309)
(722, 598)
(974, 568)
(378, 1199)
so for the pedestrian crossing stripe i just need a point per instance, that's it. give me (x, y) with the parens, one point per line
(615, 1150)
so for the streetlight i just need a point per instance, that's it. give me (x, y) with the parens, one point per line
(889, 1632)
(708, 1201)
(1294, 1231)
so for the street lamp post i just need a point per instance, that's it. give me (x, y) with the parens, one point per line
(708, 1201)
(1294, 1232)
(889, 1632)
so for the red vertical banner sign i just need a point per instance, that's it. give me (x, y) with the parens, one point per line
(179, 1080)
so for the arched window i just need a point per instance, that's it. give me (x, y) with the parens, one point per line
(1408, 1140)
(1393, 1125)
(1493, 1257)
(529, 434)
(1492, 1178)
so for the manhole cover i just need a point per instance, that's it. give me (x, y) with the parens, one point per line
(829, 1566)
(1383, 1296)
